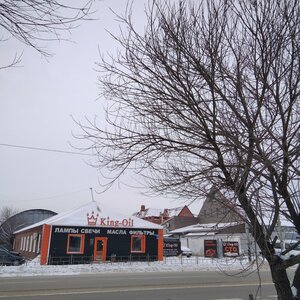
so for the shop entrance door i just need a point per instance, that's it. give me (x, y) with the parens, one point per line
(100, 248)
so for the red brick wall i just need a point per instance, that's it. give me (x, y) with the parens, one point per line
(185, 212)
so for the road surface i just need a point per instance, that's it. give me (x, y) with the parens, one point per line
(138, 286)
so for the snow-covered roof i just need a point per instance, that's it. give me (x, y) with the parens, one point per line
(94, 214)
(209, 227)
(149, 212)
(157, 212)
(153, 211)
(287, 223)
(173, 212)
(207, 233)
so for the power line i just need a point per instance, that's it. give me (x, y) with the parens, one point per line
(45, 149)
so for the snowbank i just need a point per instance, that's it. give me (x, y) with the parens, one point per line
(33, 268)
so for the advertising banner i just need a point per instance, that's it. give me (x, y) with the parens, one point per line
(171, 247)
(230, 249)
(210, 248)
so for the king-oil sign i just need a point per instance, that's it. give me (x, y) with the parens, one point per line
(93, 220)
(230, 249)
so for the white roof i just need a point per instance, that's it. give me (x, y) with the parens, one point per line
(203, 227)
(157, 212)
(202, 234)
(94, 214)
(173, 212)
(149, 212)
(153, 211)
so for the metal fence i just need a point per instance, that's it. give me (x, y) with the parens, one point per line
(74, 259)
(69, 260)
(170, 260)
(193, 260)
(200, 260)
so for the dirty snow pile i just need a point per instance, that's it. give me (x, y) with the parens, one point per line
(33, 268)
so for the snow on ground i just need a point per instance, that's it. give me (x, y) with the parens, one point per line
(170, 264)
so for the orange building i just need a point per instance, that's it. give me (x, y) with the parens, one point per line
(90, 233)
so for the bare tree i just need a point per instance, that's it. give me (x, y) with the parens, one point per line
(35, 21)
(7, 226)
(208, 95)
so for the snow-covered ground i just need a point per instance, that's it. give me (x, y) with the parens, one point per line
(33, 268)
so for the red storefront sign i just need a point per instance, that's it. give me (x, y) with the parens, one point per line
(230, 249)
(210, 248)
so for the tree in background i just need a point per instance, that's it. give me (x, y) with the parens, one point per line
(208, 95)
(7, 226)
(36, 21)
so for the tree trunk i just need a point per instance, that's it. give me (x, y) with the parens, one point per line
(296, 282)
(281, 280)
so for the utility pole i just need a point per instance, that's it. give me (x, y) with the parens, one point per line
(248, 241)
(92, 194)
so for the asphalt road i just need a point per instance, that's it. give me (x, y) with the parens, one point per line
(138, 286)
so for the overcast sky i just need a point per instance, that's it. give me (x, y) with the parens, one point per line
(38, 99)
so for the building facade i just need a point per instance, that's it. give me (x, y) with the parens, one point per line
(222, 230)
(19, 221)
(219, 230)
(90, 233)
(169, 218)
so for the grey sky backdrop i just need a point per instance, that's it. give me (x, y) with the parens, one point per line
(38, 99)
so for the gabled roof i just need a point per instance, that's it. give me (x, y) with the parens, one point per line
(173, 212)
(94, 214)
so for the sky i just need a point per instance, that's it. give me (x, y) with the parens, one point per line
(39, 100)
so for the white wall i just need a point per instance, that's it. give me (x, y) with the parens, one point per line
(196, 243)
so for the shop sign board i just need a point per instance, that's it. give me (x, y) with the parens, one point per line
(210, 248)
(171, 246)
(95, 220)
(230, 249)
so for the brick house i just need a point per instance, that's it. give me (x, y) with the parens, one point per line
(218, 209)
(219, 223)
(169, 218)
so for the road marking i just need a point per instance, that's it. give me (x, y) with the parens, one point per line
(258, 297)
(18, 294)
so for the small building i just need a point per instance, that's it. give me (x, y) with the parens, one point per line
(218, 209)
(219, 231)
(19, 221)
(154, 215)
(214, 240)
(169, 218)
(90, 233)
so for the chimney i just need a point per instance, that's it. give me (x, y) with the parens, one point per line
(143, 208)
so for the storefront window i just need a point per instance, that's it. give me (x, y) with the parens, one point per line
(27, 243)
(38, 244)
(30, 243)
(138, 243)
(75, 243)
(22, 243)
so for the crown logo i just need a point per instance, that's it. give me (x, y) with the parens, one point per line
(92, 219)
